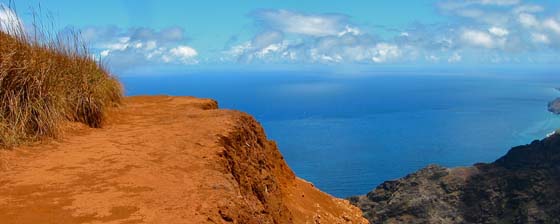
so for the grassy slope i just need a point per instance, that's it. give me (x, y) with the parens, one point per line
(43, 84)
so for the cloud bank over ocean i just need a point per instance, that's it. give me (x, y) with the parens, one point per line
(506, 31)
(141, 46)
(473, 31)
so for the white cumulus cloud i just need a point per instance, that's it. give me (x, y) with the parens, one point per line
(305, 24)
(127, 48)
(476, 31)
(540, 38)
(184, 53)
(528, 20)
(384, 52)
(498, 31)
(497, 2)
(553, 25)
(478, 38)
(9, 21)
(528, 9)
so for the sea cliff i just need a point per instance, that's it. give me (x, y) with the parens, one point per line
(162, 159)
(521, 187)
(554, 106)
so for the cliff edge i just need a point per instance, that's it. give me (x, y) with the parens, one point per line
(162, 160)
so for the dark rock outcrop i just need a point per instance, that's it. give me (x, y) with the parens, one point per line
(554, 106)
(521, 187)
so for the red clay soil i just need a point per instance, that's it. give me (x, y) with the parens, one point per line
(162, 160)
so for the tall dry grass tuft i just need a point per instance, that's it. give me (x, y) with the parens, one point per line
(47, 81)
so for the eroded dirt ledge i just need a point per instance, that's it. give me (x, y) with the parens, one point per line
(162, 160)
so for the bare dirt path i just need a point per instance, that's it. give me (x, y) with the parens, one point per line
(162, 160)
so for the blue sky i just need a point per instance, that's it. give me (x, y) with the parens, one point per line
(131, 35)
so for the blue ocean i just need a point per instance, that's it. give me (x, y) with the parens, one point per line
(347, 133)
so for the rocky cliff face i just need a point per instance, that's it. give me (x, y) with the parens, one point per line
(162, 160)
(554, 106)
(521, 187)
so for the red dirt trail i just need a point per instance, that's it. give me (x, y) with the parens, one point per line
(165, 160)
